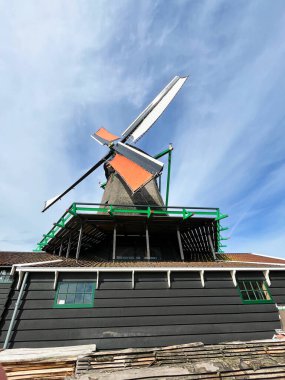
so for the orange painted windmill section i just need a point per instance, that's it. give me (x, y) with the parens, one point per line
(134, 175)
(106, 135)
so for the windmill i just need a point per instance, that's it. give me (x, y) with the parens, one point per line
(132, 171)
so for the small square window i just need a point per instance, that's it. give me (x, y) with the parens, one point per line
(75, 294)
(254, 291)
(5, 277)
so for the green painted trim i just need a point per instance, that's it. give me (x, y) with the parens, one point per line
(256, 301)
(221, 216)
(61, 225)
(249, 302)
(74, 306)
(69, 214)
(111, 210)
(186, 214)
(163, 153)
(168, 176)
(223, 229)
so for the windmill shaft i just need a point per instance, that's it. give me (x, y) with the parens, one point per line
(94, 167)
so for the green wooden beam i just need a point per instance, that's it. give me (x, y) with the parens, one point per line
(163, 153)
(221, 216)
(168, 175)
(223, 228)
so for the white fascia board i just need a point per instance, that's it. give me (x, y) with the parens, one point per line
(14, 266)
(141, 269)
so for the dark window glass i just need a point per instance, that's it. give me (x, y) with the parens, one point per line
(75, 294)
(5, 277)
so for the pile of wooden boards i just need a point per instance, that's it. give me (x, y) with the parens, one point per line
(40, 370)
(236, 360)
(42, 363)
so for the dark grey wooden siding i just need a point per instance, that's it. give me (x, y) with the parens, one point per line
(5, 289)
(149, 315)
(277, 287)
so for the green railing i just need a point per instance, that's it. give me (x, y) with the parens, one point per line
(184, 212)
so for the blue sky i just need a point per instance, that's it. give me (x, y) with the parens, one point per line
(70, 67)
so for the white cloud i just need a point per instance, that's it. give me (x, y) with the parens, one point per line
(68, 67)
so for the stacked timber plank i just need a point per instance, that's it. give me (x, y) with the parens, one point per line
(43, 363)
(236, 360)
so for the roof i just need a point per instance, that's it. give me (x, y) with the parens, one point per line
(254, 257)
(9, 258)
(229, 260)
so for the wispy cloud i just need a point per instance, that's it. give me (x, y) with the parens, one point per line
(67, 68)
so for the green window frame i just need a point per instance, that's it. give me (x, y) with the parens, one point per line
(254, 291)
(75, 294)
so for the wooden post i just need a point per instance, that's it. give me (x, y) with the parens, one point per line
(60, 249)
(180, 244)
(114, 242)
(147, 243)
(212, 247)
(79, 242)
(68, 247)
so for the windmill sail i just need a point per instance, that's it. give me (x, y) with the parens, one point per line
(133, 174)
(104, 137)
(49, 202)
(91, 170)
(140, 158)
(152, 112)
(139, 126)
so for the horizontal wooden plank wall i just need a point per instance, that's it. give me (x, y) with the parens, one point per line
(5, 289)
(149, 315)
(277, 287)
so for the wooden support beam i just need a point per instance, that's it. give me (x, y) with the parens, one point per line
(21, 274)
(97, 280)
(60, 249)
(233, 274)
(114, 242)
(79, 242)
(267, 278)
(133, 279)
(180, 244)
(147, 243)
(55, 279)
(212, 247)
(169, 278)
(202, 278)
(68, 247)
